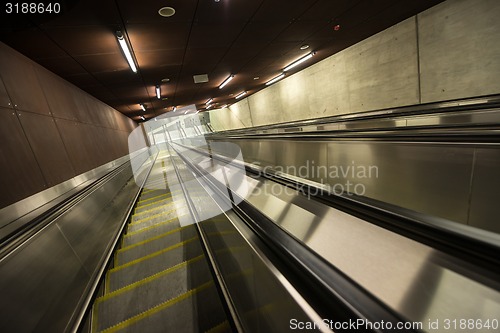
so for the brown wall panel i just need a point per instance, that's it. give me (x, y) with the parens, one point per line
(58, 94)
(57, 131)
(80, 100)
(21, 82)
(4, 97)
(76, 139)
(48, 147)
(20, 175)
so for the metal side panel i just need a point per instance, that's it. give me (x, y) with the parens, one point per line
(484, 207)
(35, 283)
(429, 178)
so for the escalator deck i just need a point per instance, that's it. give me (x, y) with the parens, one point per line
(160, 280)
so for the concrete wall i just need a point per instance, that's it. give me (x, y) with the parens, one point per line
(50, 130)
(447, 52)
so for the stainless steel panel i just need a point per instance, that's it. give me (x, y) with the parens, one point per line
(20, 175)
(21, 82)
(34, 281)
(415, 280)
(44, 281)
(429, 178)
(303, 159)
(484, 206)
(20, 211)
(48, 147)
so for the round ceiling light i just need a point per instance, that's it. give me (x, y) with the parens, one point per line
(304, 47)
(165, 80)
(166, 11)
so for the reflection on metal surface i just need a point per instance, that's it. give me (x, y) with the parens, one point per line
(417, 281)
(25, 206)
(432, 178)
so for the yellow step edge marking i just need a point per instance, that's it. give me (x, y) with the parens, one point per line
(222, 327)
(158, 308)
(148, 279)
(151, 210)
(145, 219)
(172, 220)
(139, 202)
(156, 197)
(152, 255)
(154, 203)
(126, 248)
(155, 208)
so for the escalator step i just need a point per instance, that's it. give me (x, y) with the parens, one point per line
(195, 311)
(121, 276)
(143, 295)
(156, 218)
(145, 233)
(223, 327)
(154, 244)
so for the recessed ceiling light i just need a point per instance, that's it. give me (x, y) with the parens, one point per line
(165, 80)
(256, 78)
(304, 47)
(241, 95)
(164, 98)
(166, 11)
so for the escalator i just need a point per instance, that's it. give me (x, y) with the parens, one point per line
(160, 280)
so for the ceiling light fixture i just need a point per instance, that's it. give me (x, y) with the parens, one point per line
(126, 51)
(174, 109)
(223, 106)
(209, 106)
(166, 11)
(241, 95)
(226, 81)
(209, 101)
(304, 47)
(277, 78)
(143, 107)
(298, 62)
(142, 117)
(158, 92)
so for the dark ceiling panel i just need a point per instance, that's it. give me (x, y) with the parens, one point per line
(282, 10)
(103, 62)
(66, 66)
(157, 59)
(33, 41)
(85, 40)
(246, 38)
(159, 36)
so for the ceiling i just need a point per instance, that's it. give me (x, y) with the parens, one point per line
(248, 38)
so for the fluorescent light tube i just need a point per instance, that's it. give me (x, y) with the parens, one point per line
(126, 51)
(158, 92)
(298, 62)
(209, 101)
(143, 107)
(142, 117)
(241, 95)
(226, 81)
(277, 78)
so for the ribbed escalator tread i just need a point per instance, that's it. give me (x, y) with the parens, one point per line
(154, 244)
(146, 233)
(223, 327)
(197, 310)
(123, 275)
(132, 300)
